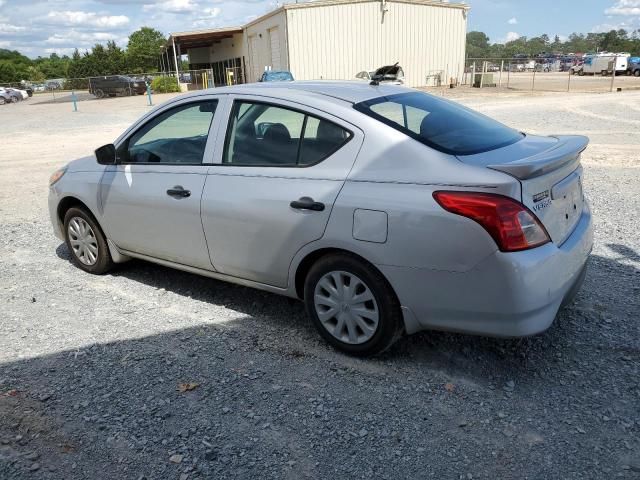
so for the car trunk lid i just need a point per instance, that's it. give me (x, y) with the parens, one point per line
(549, 171)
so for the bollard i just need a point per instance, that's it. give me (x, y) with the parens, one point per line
(533, 82)
(74, 99)
(613, 77)
(500, 76)
(569, 81)
(149, 95)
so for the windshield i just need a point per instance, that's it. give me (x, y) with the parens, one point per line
(440, 124)
(278, 77)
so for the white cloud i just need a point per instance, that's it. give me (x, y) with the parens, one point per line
(512, 21)
(607, 27)
(624, 7)
(172, 6)
(206, 18)
(85, 19)
(81, 40)
(6, 28)
(511, 36)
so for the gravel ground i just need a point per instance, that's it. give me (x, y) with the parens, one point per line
(158, 374)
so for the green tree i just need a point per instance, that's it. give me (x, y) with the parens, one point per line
(143, 50)
(7, 72)
(477, 45)
(35, 75)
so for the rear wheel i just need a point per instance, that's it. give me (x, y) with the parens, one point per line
(15, 99)
(2, 101)
(86, 242)
(352, 305)
(99, 93)
(636, 73)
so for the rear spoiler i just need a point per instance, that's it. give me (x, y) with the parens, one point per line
(567, 150)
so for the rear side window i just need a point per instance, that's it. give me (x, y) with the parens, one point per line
(270, 135)
(441, 124)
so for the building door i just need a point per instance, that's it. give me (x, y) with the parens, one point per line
(253, 56)
(274, 38)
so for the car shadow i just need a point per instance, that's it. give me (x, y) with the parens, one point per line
(227, 397)
(474, 358)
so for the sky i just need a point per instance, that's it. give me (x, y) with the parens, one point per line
(41, 27)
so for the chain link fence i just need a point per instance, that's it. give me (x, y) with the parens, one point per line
(108, 86)
(544, 75)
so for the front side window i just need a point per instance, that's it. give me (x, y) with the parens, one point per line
(269, 135)
(441, 124)
(178, 135)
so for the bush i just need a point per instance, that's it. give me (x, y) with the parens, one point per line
(165, 85)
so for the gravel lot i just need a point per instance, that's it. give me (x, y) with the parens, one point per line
(91, 368)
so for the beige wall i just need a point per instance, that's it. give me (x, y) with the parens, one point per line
(338, 41)
(257, 34)
(228, 48)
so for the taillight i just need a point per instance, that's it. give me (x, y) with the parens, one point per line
(512, 225)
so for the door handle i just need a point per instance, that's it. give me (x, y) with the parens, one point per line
(307, 203)
(178, 192)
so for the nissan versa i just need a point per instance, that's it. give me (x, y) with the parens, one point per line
(385, 209)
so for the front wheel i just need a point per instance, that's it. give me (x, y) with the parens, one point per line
(86, 242)
(352, 305)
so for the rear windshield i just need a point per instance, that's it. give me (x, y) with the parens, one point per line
(438, 123)
(279, 76)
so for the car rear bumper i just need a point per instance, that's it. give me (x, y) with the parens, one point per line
(506, 295)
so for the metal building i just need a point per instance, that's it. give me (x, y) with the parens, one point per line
(336, 39)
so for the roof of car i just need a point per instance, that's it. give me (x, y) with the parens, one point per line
(347, 91)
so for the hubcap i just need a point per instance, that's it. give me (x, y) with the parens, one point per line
(346, 307)
(83, 241)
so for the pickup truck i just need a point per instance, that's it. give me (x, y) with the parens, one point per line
(116, 86)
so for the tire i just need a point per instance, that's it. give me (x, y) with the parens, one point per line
(99, 93)
(581, 73)
(348, 335)
(93, 242)
(2, 101)
(636, 73)
(15, 99)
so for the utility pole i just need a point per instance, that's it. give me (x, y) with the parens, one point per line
(175, 60)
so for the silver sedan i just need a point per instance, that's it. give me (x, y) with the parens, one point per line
(386, 210)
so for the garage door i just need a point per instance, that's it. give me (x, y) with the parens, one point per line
(274, 37)
(253, 55)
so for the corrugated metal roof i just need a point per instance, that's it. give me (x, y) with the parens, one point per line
(325, 3)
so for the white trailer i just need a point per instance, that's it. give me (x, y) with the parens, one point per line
(604, 64)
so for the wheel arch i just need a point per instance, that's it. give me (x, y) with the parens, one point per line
(69, 202)
(303, 267)
(411, 323)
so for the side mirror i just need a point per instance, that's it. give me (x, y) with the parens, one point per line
(106, 154)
